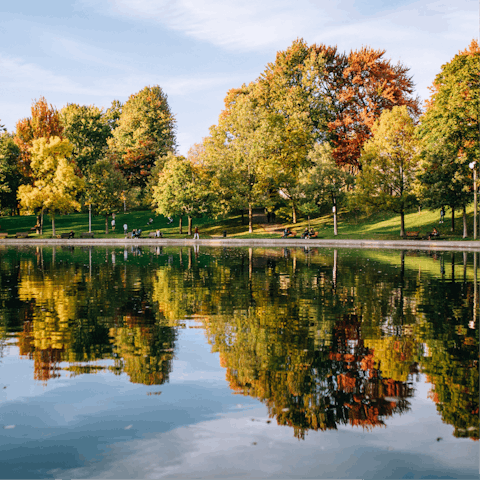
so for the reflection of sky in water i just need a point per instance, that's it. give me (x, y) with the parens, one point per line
(103, 426)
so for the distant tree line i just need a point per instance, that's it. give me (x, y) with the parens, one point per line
(317, 129)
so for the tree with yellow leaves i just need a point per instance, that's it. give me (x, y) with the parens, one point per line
(55, 186)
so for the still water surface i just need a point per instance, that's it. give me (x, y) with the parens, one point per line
(255, 363)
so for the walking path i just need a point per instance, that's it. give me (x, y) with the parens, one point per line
(253, 242)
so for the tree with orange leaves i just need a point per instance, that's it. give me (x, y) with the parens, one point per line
(360, 86)
(44, 122)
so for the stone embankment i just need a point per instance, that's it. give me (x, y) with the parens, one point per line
(253, 242)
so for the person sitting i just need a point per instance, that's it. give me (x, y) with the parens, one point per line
(158, 234)
(312, 233)
(150, 221)
(435, 234)
(72, 234)
(286, 233)
(306, 233)
(138, 233)
(134, 233)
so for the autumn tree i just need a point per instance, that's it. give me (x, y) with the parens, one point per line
(55, 184)
(105, 189)
(389, 162)
(450, 125)
(45, 122)
(359, 86)
(87, 129)
(145, 132)
(180, 190)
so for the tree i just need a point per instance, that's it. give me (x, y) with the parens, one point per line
(105, 189)
(87, 129)
(390, 163)
(44, 123)
(324, 182)
(451, 125)
(55, 184)
(442, 180)
(180, 190)
(295, 113)
(145, 132)
(10, 175)
(235, 153)
(359, 86)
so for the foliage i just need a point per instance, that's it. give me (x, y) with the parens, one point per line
(145, 132)
(106, 189)
(452, 116)
(45, 122)
(10, 176)
(359, 86)
(235, 154)
(180, 188)
(55, 184)
(324, 183)
(390, 163)
(87, 129)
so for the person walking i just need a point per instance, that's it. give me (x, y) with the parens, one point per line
(125, 228)
(196, 236)
(442, 215)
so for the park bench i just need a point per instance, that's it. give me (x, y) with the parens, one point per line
(3, 235)
(86, 235)
(412, 235)
(22, 235)
(67, 235)
(154, 235)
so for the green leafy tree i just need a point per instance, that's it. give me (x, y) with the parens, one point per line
(324, 183)
(180, 190)
(235, 153)
(56, 186)
(449, 130)
(105, 189)
(87, 129)
(390, 164)
(10, 174)
(442, 180)
(145, 132)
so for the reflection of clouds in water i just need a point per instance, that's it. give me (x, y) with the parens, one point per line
(234, 446)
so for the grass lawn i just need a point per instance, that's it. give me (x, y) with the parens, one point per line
(379, 226)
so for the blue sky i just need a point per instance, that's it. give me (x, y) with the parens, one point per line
(95, 51)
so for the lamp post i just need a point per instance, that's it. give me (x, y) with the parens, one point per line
(472, 166)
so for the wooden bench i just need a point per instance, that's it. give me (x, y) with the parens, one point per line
(67, 235)
(22, 235)
(412, 235)
(87, 235)
(3, 235)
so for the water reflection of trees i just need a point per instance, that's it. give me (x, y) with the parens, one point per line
(81, 315)
(323, 339)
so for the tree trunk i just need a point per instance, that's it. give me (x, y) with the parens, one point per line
(41, 223)
(106, 224)
(189, 225)
(453, 218)
(53, 225)
(243, 218)
(335, 230)
(250, 218)
(180, 231)
(465, 231)
(294, 213)
(402, 224)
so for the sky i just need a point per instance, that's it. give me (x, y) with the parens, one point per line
(96, 51)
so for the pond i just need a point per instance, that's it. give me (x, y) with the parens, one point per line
(163, 362)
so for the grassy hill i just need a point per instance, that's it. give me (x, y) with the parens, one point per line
(380, 226)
